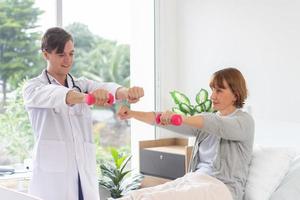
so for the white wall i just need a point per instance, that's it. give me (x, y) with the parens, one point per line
(260, 37)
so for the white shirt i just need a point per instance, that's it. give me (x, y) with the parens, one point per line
(64, 144)
(208, 151)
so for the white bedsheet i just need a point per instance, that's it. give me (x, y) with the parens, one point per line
(191, 186)
(9, 194)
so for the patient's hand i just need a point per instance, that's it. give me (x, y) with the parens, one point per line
(124, 112)
(165, 118)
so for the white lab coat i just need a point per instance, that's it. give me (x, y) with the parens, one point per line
(64, 144)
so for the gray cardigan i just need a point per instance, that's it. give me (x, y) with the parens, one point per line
(234, 152)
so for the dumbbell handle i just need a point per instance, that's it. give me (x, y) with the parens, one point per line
(175, 119)
(90, 99)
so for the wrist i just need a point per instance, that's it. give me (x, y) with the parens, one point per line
(74, 97)
(83, 97)
(183, 118)
(131, 113)
(121, 93)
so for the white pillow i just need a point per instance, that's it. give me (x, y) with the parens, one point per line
(289, 188)
(268, 167)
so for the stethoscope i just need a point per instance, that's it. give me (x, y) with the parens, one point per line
(66, 81)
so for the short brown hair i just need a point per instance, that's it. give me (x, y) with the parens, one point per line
(55, 38)
(235, 81)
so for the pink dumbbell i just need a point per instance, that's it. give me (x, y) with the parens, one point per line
(175, 119)
(90, 99)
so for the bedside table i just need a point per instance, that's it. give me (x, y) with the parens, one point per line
(164, 160)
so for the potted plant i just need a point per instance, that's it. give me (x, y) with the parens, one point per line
(184, 106)
(115, 177)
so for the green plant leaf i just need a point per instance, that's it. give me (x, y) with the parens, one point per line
(115, 193)
(201, 96)
(117, 178)
(179, 97)
(106, 184)
(115, 155)
(125, 163)
(120, 161)
(122, 175)
(207, 105)
(187, 109)
(178, 111)
(199, 108)
(107, 172)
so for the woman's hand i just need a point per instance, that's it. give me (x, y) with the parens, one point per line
(147, 117)
(124, 112)
(165, 118)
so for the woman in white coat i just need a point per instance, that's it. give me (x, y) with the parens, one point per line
(64, 165)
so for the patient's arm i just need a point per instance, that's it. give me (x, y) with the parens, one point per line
(149, 118)
(183, 129)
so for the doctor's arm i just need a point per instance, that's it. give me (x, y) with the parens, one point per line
(37, 94)
(132, 95)
(74, 97)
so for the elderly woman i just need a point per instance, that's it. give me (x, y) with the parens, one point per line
(223, 147)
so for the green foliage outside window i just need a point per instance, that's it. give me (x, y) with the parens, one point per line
(95, 58)
(19, 42)
(99, 59)
(15, 131)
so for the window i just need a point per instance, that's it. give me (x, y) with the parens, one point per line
(19, 47)
(101, 32)
(20, 30)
